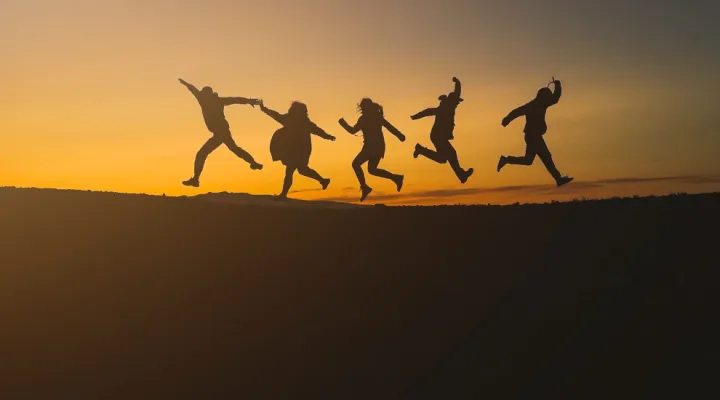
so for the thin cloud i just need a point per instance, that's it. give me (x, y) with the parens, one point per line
(575, 187)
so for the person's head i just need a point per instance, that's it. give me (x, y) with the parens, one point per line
(544, 95)
(298, 109)
(370, 108)
(450, 100)
(207, 91)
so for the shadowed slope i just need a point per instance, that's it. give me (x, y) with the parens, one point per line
(119, 296)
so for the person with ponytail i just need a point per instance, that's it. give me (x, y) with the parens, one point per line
(371, 123)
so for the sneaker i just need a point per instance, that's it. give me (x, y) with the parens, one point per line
(325, 183)
(399, 182)
(466, 175)
(564, 181)
(501, 163)
(194, 182)
(365, 192)
(417, 151)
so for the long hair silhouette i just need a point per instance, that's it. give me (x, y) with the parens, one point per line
(371, 122)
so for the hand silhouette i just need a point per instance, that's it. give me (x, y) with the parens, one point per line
(341, 121)
(505, 122)
(331, 138)
(402, 138)
(183, 81)
(456, 80)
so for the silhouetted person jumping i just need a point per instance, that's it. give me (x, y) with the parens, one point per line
(371, 123)
(442, 133)
(535, 128)
(213, 109)
(292, 144)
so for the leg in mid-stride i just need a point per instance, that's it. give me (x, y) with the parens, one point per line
(536, 146)
(302, 170)
(444, 153)
(211, 145)
(373, 163)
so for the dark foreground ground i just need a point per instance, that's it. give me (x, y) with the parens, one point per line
(106, 296)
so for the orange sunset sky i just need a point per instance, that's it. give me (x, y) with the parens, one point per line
(91, 98)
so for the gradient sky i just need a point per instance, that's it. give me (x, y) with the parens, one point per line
(91, 98)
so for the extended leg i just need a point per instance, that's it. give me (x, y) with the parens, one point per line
(202, 155)
(241, 153)
(311, 173)
(452, 158)
(560, 180)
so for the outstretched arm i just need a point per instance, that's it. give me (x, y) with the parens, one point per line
(239, 100)
(518, 112)
(425, 113)
(316, 130)
(190, 87)
(458, 87)
(272, 113)
(557, 93)
(351, 129)
(393, 130)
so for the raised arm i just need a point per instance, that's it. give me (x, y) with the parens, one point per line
(425, 113)
(272, 113)
(190, 87)
(557, 93)
(393, 130)
(239, 100)
(458, 87)
(316, 130)
(518, 112)
(351, 129)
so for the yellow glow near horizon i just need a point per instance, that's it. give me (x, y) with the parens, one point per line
(93, 100)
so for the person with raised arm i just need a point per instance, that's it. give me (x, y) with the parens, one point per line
(371, 123)
(442, 133)
(292, 144)
(535, 128)
(213, 110)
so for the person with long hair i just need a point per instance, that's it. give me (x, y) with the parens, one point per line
(213, 110)
(292, 144)
(535, 128)
(442, 133)
(371, 123)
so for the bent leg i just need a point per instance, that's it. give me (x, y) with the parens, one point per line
(357, 167)
(526, 160)
(381, 173)
(202, 155)
(430, 154)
